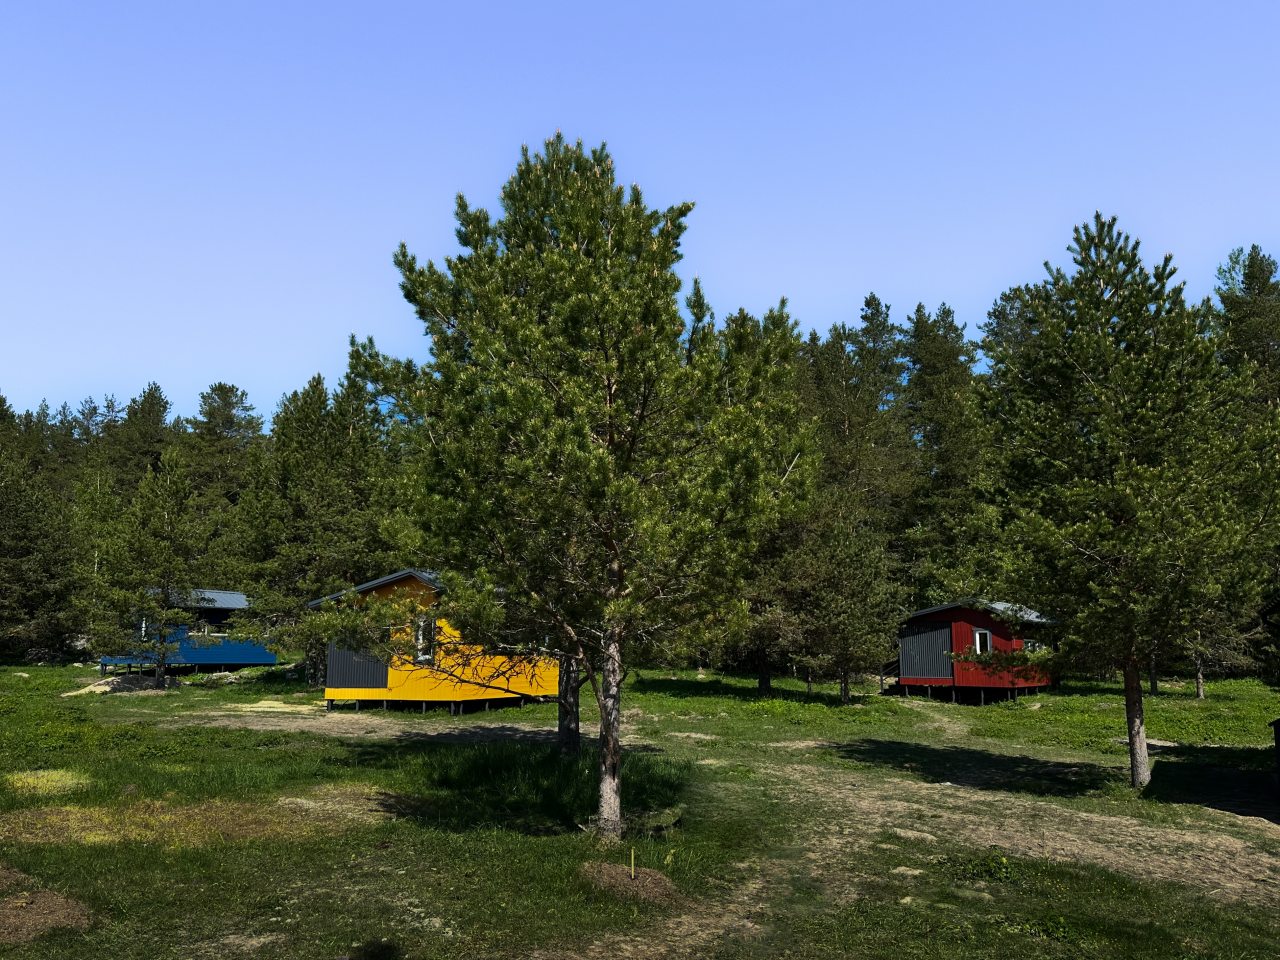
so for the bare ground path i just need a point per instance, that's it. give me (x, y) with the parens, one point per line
(857, 810)
(281, 716)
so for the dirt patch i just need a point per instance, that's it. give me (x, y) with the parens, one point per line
(28, 913)
(690, 933)
(322, 809)
(371, 724)
(692, 735)
(45, 783)
(241, 943)
(339, 802)
(647, 886)
(133, 683)
(1228, 867)
(278, 706)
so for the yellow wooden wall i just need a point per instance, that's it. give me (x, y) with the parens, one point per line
(457, 662)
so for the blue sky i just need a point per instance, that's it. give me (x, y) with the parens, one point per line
(192, 192)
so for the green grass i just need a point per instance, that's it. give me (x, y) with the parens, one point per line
(984, 904)
(482, 857)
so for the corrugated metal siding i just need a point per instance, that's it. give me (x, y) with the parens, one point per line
(923, 650)
(348, 669)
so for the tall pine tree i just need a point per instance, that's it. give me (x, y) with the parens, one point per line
(1135, 484)
(589, 463)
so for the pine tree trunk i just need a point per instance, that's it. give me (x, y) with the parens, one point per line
(609, 820)
(844, 687)
(568, 734)
(1139, 765)
(1199, 678)
(1153, 682)
(316, 664)
(764, 683)
(160, 665)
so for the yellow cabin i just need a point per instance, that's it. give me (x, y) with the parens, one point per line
(436, 666)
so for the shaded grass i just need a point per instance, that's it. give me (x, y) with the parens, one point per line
(526, 788)
(982, 769)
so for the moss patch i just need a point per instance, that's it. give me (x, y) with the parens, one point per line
(45, 783)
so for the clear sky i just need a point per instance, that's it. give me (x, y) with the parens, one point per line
(192, 192)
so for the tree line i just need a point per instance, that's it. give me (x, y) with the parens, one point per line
(606, 471)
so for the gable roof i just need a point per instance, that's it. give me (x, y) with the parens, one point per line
(1005, 611)
(428, 577)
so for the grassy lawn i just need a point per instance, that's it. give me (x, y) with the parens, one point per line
(241, 820)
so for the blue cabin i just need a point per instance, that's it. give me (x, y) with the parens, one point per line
(206, 644)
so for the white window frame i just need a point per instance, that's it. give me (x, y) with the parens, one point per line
(977, 646)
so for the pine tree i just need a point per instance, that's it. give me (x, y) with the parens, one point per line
(35, 555)
(141, 437)
(1133, 496)
(829, 586)
(217, 444)
(940, 398)
(1250, 296)
(316, 509)
(140, 589)
(589, 464)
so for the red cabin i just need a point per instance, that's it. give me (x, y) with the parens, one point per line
(931, 640)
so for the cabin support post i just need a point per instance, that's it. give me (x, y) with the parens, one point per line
(328, 705)
(982, 697)
(953, 693)
(357, 706)
(384, 704)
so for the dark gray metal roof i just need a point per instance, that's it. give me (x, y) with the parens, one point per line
(1005, 611)
(430, 578)
(202, 599)
(219, 600)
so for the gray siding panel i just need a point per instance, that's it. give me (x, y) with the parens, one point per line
(924, 651)
(350, 669)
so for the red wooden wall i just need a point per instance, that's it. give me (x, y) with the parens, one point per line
(964, 620)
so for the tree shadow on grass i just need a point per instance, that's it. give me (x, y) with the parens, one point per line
(982, 769)
(1240, 780)
(375, 950)
(525, 787)
(681, 688)
(1169, 689)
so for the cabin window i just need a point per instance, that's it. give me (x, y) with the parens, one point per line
(424, 642)
(981, 641)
